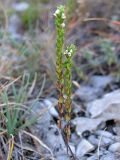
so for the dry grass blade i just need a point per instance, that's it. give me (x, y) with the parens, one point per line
(3, 87)
(98, 150)
(11, 147)
(4, 132)
(95, 19)
(26, 147)
(6, 77)
(39, 141)
(33, 85)
(13, 103)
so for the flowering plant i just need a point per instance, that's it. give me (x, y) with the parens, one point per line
(63, 70)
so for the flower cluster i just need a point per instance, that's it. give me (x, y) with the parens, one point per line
(59, 13)
(69, 51)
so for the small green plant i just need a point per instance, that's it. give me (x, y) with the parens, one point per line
(14, 111)
(30, 16)
(108, 50)
(68, 86)
(63, 71)
(14, 114)
(60, 29)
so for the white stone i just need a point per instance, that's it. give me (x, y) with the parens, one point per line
(22, 6)
(83, 148)
(14, 24)
(88, 93)
(51, 106)
(106, 141)
(107, 107)
(92, 139)
(115, 147)
(104, 133)
(99, 81)
(83, 124)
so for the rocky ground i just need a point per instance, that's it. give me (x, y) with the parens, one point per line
(96, 96)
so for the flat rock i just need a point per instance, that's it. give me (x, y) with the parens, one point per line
(82, 124)
(21, 6)
(83, 148)
(74, 138)
(14, 23)
(106, 138)
(99, 81)
(93, 140)
(103, 133)
(105, 141)
(88, 93)
(114, 147)
(109, 106)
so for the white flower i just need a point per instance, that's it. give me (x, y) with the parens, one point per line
(63, 25)
(56, 12)
(63, 16)
(66, 52)
(69, 54)
(71, 51)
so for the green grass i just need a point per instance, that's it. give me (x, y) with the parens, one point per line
(13, 113)
(30, 16)
(109, 53)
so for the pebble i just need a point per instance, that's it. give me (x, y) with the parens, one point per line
(106, 141)
(83, 148)
(20, 7)
(99, 81)
(51, 105)
(14, 26)
(106, 107)
(103, 133)
(93, 140)
(82, 124)
(114, 147)
(74, 138)
(88, 93)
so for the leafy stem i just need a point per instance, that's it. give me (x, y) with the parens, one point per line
(63, 70)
